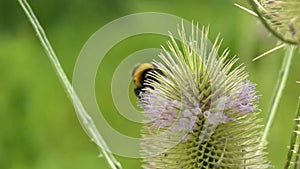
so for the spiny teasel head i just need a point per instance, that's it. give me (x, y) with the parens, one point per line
(281, 17)
(201, 110)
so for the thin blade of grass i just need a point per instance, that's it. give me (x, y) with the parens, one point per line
(88, 123)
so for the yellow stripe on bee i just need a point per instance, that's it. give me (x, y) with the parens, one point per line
(139, 70)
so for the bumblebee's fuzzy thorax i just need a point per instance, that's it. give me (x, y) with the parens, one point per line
(142, 74)
(139, 73)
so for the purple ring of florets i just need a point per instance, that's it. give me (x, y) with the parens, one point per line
(164, 113)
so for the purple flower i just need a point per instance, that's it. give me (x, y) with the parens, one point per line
(160, 111)
(243, 98)
(217, 117)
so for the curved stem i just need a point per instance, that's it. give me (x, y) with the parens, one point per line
(293, 140)
(87, 120)
(283, 74)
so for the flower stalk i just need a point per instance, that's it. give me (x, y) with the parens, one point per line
(281, 82)
(294, 151)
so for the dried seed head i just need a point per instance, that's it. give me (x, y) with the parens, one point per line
(282, 17)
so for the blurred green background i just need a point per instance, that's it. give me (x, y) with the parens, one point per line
(38, 125)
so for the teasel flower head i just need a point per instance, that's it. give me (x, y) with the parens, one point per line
(201, 110)
(281, 17)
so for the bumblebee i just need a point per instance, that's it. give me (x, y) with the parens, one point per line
(140, 75)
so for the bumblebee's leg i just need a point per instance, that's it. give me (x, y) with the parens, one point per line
(158, 71)
(137, 91)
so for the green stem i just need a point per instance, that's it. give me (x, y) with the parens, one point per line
(283, 74)
(293, 140)
(297, 161)
(87, 120)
